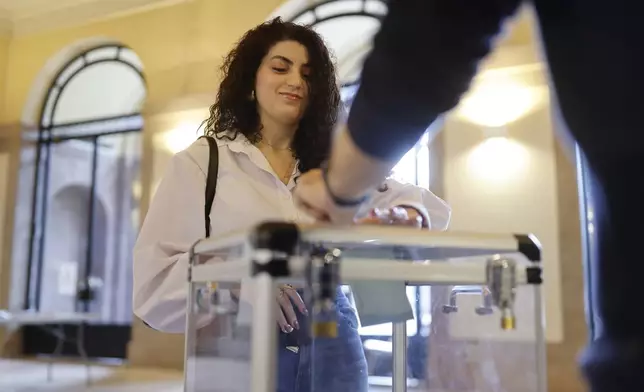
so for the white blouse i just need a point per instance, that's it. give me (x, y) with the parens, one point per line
(248, 192)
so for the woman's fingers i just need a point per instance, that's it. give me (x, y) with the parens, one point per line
(398, 216)
(289, 318)
(281, 321)
(287, 298)
(296, 299)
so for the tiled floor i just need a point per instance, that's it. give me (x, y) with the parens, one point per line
(30, 376)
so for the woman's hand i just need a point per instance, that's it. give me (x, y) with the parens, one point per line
(397, 216)
(288, 298)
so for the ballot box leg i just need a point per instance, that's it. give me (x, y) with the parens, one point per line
(264, 338)
(189, 343)
(273, 243)
(399, 343)
(542, 377)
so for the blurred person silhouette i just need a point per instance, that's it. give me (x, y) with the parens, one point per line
(424, 58)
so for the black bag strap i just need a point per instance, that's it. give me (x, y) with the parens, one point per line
(211, 184)
(211, 179)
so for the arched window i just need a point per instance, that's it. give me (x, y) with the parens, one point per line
(103, 86)
(83, 195)
(348, 27)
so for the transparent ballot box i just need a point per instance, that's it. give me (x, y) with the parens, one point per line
(377, 309)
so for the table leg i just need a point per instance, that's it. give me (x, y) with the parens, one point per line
(80, 345)
(399, 343)
(60, 341)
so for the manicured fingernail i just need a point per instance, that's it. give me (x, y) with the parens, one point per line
(304, 311)
(296, 324)
(287, 329)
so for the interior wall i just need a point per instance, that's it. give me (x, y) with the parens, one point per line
(507, 183)
(7, 173)
(524, 185)
(563, 369)
(9, 166)
(4, 178)
(5, 41)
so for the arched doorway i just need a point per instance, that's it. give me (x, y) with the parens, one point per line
(83, 197)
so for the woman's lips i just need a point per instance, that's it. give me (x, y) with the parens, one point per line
(291, 97)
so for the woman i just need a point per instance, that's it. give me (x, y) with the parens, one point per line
(273, 116)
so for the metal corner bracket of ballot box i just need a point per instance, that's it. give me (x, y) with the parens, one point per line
(279, 252)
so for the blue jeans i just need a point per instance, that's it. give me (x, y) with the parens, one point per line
(327, 365)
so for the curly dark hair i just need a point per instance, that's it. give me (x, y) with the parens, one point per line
(233, 112)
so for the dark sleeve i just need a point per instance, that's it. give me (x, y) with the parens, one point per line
(424, 58)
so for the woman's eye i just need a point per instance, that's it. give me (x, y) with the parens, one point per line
(279, 70)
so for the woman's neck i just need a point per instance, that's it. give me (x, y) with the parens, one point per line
(278, 136)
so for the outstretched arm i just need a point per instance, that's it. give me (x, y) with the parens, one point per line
(423, 60)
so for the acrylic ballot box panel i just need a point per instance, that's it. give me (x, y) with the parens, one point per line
(217, 351)
(409, 311)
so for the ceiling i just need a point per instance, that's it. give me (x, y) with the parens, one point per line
(28, 16)
(20, 17)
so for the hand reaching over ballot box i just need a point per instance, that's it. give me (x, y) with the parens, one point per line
(398, 216)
